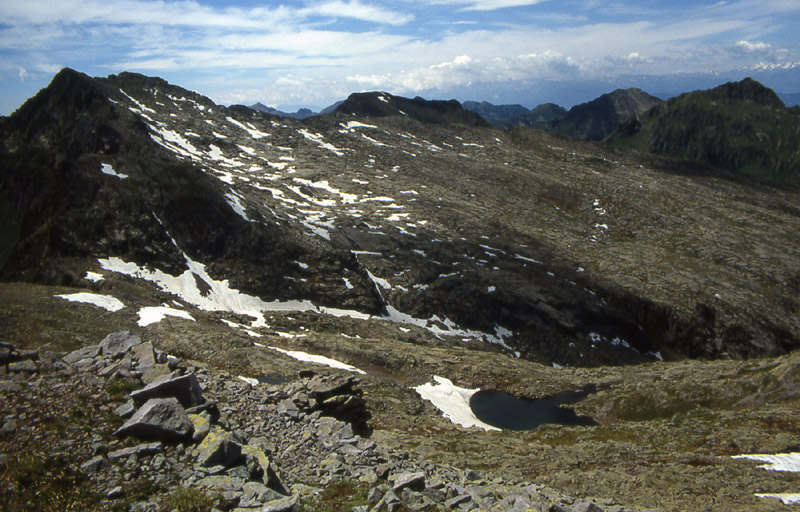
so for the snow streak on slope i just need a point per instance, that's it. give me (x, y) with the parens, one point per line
(312, 358)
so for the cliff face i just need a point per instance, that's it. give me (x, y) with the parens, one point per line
(739, 126)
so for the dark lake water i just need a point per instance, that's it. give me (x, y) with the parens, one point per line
(273, 379)
(503, 410)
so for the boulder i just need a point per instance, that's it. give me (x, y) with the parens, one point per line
(186, 389)
(93, 465)
(117, 344)
(219, 448)
(257, 494)
(413, 481)
(144, 355)
(89, 352)
(161, 419)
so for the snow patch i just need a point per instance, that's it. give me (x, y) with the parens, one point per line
(154, 314)
(93, 277)
(316, 137)
(107, 169)
(313, 358)
(789, 462)
(453, 401)
(255, 133)
(106, 302)
(235, 202)
(779, 462)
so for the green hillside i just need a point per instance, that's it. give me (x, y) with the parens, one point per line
(739, 126)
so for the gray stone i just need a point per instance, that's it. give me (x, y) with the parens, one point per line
(9, 386)
(288, 408)
(117, 344)
(89, 352)
(374, 496)
(140, 450)
(413, 481)
(93, 465)
(144, 355)
(185, 388)
(256, 494)
(458, 500)
(8, 427)
(125, 410)
(23, 366)
(282, 505)
(219, 448)
(115, 493)
(222, 482)
(585, 506)
(202, 425)
(162, 419)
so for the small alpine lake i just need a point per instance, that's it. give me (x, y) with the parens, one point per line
(507, 412)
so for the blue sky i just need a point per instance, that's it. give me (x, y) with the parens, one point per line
(312, 53)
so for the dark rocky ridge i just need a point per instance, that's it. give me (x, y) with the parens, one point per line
(562, 246)
(598, 118)
(381, 104)
(741, 126)
(61, 207)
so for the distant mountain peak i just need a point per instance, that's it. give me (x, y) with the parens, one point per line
(598, 118)
(382, 104)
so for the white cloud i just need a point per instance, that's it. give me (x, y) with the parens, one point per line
(750, 47)
(486, 5)
(356, 10)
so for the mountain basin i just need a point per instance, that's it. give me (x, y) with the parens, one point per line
(508, 412)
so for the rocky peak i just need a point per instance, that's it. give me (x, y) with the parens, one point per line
(747, 90)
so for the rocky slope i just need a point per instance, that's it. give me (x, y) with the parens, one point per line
(598, 118)
(564, 253)
(132, 428)
(739, 126)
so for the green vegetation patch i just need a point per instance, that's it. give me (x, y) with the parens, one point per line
(30, 482)
(343, 495)
(189, 499)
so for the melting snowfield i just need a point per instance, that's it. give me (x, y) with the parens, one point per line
(778, 462)
(453, 401)
(221, 297)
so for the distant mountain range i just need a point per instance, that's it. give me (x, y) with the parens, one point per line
(303, 113)
(740, 126)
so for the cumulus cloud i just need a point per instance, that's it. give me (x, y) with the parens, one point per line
(464, 70)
